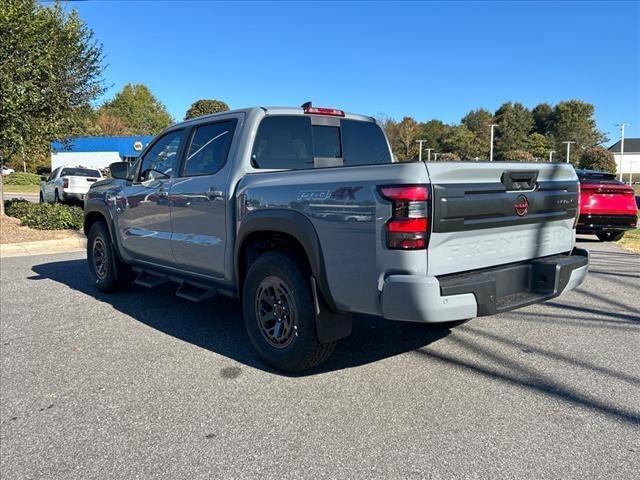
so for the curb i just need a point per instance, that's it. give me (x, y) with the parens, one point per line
(61, 245)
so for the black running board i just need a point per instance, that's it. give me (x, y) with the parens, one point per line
(195, 292)
(188, 289)
(150, 280)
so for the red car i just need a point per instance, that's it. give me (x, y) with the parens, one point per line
(607, 206)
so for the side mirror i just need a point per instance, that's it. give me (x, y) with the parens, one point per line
(43, 178)
(119, 170)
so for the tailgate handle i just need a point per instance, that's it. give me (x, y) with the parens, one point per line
(519, 179)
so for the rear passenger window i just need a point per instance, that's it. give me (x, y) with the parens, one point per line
(292, 143)
(283, 142)
(209, 148)
(363, 144)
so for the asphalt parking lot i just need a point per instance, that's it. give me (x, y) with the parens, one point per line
(145, 385)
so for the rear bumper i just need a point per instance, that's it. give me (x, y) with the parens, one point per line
(588, 223)
(74, 193)
(482, 292)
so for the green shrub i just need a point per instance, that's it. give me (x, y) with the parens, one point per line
(45, 216)
(22, 178)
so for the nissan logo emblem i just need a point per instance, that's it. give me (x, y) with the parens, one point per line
(521, 206)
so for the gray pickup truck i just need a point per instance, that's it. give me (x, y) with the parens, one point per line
(304, 215)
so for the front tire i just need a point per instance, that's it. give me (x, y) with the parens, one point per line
(610, 236)
(279, 314)
(41, 198)
(108, 273)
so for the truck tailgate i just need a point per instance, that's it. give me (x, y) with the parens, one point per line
(80, 184)
(487, 214)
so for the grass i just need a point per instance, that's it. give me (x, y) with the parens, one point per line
(33, 189)
(631, 240)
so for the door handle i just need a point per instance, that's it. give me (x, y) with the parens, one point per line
(163, 193)
(213, 194)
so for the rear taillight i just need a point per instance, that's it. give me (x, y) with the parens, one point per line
(575, 221)
(408, 228)
(65, 183)
(607, 189)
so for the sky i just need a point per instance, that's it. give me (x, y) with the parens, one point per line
(426, 60)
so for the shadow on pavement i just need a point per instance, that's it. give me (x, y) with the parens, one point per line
(217, 325)
(492, 368)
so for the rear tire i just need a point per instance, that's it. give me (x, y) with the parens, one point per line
(279, 314)
(108, 273)
(41, 198)
(56, 197)
(610, 236)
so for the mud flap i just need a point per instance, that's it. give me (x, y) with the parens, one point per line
(330, 326)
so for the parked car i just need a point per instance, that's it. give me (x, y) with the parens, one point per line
(7, 171)
(607, 206)
(68, 183)
(259, 204)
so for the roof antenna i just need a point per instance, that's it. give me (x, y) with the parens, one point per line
(306, 105)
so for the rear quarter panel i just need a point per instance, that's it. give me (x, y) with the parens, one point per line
(349, 217)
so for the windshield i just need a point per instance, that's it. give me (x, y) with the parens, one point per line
(79, 172)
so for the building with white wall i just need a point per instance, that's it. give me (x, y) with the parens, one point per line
(630, 159)
(96, 152)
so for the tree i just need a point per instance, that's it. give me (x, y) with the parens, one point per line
(433, 132)
(463, 142)
(573, 121)
(479, 121)
(32, 158)
(543, 118)
(515, 123)
(140, 111)
(448, 157)
(539, 145)
(110, 125)
(205, 107)
(50, 72)
(517, 156)
(597, 158)
(406, 134)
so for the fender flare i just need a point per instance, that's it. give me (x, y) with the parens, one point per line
(299, 227)
(331, 323)
(95, 205)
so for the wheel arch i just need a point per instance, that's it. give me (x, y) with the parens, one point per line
(279, 227)
(96, 211)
